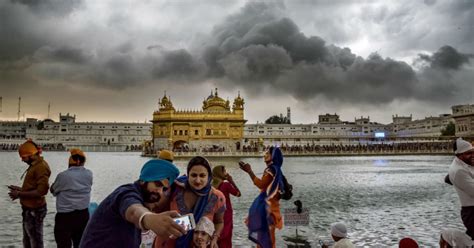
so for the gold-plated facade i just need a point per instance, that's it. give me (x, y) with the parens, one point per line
(216, 126)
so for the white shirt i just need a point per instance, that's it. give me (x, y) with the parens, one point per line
(343, 243)
(462, 177)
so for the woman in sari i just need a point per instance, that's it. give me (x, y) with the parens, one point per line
(223, 181)
(194, 194)
(264, 213)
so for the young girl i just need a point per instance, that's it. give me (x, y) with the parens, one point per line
(203, 233)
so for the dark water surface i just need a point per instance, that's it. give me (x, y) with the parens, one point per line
(382, 199)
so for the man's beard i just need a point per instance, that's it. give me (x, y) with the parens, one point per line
(29, 161)
(150, 197)
(468, 161)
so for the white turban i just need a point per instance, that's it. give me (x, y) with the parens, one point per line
(456, 238)
(462, 146)
(338, 229)
(205, 225)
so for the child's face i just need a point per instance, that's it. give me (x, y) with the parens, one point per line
(200, 238)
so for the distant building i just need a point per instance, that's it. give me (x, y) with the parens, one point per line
(89, 136)
(219, 127)
(463, 116)
(215, 127)
(329, 130)
(403, 126)
(13, 131)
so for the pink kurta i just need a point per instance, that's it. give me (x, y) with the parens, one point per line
(216, 204)
(225, 240)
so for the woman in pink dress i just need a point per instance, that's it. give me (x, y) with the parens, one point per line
(223, 181)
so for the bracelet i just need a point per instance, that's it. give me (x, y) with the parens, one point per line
(141, 219)
(215, 235)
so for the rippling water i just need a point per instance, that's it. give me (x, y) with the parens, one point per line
(382, 199)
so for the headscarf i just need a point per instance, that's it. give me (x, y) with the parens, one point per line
(338, 229)
(456, 238)
(407, 243)
(206, 225)
(217, 176)
(259, 212)
(203, 196)
(275, 168)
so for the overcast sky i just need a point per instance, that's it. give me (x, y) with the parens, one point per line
(112, 60)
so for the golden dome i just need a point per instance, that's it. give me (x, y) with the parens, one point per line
(215, 103)
(238, 103)
(165, 103)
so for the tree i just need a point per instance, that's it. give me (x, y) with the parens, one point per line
(275, 119)
(450, 130)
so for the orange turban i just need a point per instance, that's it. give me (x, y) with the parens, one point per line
(166, 155)
(76, 151)
(27, 149)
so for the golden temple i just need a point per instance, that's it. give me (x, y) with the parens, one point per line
(216, 127)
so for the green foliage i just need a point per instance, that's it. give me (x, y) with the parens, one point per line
(450, 130)
(275, 119)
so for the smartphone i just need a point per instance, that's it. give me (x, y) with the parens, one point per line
(186, 221)
(241, 163)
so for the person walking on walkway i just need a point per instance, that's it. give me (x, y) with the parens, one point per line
(461, 175)
(224, 182)
(32, 194)
(72, 189)
(264, 213)
(126, 212)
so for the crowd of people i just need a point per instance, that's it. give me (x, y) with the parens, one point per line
(362, 148)
(44, 147)
(438, 146)
(144, 213)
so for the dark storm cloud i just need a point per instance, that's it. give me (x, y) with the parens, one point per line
(271, 51)
(256, 63)
(259, 47)
(17, 37)
(445, 76)
(446, 58)
(21, 25)
(62, 55)
(50, 7)
(374, 79)
(176, 64)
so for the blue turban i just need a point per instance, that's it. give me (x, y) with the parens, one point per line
(157, 170)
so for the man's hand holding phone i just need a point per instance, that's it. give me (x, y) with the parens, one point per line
(13, 187)
(186, 221)
(164, 225)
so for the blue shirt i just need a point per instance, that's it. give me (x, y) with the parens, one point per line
(72, 189)
(108, 226)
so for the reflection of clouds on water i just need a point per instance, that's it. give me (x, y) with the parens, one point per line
(380, 162)
(380, 204)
